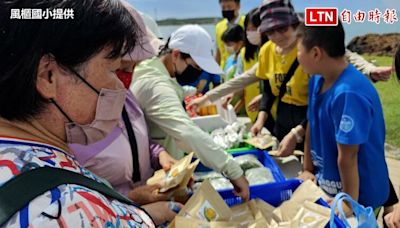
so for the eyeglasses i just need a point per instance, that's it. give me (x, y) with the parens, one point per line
(279, 30)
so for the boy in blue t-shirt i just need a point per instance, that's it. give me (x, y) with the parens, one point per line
(203, 82)
(346, 131)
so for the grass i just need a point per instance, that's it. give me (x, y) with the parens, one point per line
(390, 96)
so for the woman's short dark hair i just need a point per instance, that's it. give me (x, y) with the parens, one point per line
(234, 33)
(166, 50)
(397, 62)
(253, 17)
(71, 42)
(329, 38)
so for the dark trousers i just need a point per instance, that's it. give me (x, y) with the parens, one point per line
(289, 116)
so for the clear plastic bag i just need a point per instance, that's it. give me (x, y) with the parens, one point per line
(259, 176)
(221, 183)
(202, 176)
(248, 161)
(229, 137)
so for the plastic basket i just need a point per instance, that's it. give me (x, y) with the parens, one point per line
(240, 149)
(263, 157)
(274, 194)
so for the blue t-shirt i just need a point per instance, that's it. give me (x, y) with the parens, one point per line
(214, 79)
(349, 113)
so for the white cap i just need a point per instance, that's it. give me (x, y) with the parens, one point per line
(195, 41)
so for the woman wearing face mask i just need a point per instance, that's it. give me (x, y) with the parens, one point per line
(285, 105)
(274, 61)
(249, 57)
(56, 88)
(126, 157)
(186, 53)
(280, 29)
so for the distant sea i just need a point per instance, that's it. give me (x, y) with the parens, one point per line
(352, 30)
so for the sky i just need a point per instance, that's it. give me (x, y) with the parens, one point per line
(162, 9)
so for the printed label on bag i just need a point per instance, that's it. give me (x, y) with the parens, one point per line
(207, 212)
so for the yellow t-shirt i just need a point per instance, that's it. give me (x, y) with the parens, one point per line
(273, 67)
(252, 90)
(220, 28)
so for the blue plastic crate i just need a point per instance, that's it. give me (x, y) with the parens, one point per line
(274, 194)
(262, 156)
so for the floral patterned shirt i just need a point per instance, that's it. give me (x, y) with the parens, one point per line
(68, 205)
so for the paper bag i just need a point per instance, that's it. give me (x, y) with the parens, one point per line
(175, 176)
(206, 205)
(312, 215)
(307, 191)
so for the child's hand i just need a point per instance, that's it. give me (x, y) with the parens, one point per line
(345, 206)
(254, 104)
(393, 218)
(227, 100)
(346, 209)
(257, 127)
(307, 175)
(287, 145)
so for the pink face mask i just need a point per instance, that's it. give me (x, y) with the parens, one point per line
(108, 115)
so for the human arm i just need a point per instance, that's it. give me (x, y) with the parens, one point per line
(289, 142)
(254, 105)
(348, 169)
(218, 56)
(392, 219)
(373, 72)
(162, 106)
(200, 86)
(155, 151)
(234, 85)
(267, 100)
(308, 167)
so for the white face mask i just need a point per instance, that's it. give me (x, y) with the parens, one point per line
(254, 37)
(230, 50)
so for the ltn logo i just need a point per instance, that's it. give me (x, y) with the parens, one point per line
(321, 16)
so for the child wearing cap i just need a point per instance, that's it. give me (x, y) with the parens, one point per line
(187, 52)
(346, 131)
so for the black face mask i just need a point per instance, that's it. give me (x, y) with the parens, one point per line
(188, 76)
(228, 14)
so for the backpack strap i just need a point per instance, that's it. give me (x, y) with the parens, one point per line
(288, 76)
(134, 147)
(19, 191)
